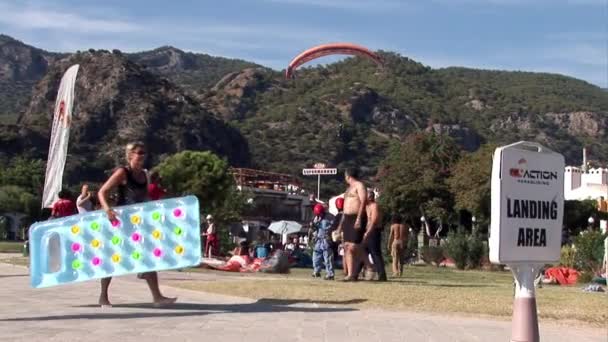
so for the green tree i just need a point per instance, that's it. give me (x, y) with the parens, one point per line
(576, 214)
(16, 199)
(412, 176)
(206, 176)
(470, 182)
(25, 173)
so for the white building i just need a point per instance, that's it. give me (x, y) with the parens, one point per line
(581, 183)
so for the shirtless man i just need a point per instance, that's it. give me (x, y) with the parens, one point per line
(353, 224)
(372, 240)
(397, 242)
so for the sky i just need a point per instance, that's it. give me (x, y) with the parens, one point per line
(568, 37)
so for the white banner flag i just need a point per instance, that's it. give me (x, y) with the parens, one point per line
(60, 135)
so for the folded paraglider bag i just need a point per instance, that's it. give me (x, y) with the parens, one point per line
(563, 275)
(278, 263)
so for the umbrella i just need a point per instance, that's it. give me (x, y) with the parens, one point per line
(285, 227)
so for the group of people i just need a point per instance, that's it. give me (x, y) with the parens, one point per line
(359, 225)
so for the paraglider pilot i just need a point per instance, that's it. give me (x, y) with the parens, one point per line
(323, 251)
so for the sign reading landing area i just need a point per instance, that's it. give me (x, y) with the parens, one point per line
(527, 204)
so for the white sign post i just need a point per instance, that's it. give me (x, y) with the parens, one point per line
(319, 170)
(526, 223)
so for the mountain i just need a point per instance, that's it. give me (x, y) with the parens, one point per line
(348, 113)
(343, 114)
(21, 67)
(117, 102)
(193, 71)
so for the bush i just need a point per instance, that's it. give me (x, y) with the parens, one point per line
(568, 257)
(476, 251)
(432, 254)
(3, 228)
(585, 277)
(457, 248)
(411, 251)
(589, 246)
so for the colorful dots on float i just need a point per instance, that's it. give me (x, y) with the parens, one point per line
(177, 212)
(116, 240)
(158, 252)
(76, 264)
(136, 255)
(145, 237)
(156, 216)
(136, 237)
(116, 258)
(95, 225)
(135, 219)
(96, 261)
(76, 247)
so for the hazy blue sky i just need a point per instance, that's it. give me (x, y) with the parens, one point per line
(561, 36)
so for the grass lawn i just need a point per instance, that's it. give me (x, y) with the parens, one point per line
(424, 289)
(11, 247)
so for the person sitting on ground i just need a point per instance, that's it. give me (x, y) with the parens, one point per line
(276, 243)
(262, 246)
(241, 249)
(64, 206)
(293, 245)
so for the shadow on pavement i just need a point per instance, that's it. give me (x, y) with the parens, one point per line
(14, 275)
(194, 309)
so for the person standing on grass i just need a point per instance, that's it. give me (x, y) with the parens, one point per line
(353, 222)
(155, 190)
(372, 239)
(84, 201)
(323, 251)
(64, 206)
(397, 243)
(211, 241)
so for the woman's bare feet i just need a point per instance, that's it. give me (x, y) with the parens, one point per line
(162, 301)
(104, 302)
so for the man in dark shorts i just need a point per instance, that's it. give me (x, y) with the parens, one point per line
(353, 222)
(373, 235)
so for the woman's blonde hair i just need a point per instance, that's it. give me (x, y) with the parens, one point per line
(132, 146)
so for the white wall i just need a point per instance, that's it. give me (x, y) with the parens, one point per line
(572, 178)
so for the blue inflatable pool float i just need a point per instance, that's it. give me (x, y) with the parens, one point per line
(150, 236)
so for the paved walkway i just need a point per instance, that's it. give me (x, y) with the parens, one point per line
(66, 313)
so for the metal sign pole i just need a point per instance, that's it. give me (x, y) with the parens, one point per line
(319, 186)
(524, 326)
(319, 171)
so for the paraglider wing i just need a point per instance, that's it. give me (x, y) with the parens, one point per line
(330, 49)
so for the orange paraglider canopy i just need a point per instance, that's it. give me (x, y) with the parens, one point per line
(330, 49)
